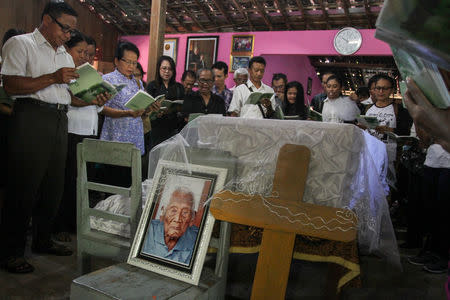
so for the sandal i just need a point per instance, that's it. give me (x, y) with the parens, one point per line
(17, 265)
(62, 236)
(53, 249)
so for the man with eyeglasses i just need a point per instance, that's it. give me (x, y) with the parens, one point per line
(36, 72)
(203, 100)
(317, 100)
(279, 81)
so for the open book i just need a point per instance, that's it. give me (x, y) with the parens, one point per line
(256, 97)
(315, 115)
(418, 33)
(425, 74)
(420, 27)
(171, 104)
(194, 116)
(142, 100)
(369, 122)
(90, 84)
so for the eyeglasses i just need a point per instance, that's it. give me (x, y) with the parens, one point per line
(205, 81)
(279, 87)
(129, 62)
(64, 28)
(166, 69)
(382, 88)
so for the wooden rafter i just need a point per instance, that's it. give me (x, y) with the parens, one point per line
(147, 8)
(346, 5)
(281, 6)
(324, 14)
(206, 13)
(366, 7)
(222, 10)
(186, 27)
(302, 10)
(193, 18)
(263, 14)
(113, 21)
(244, 14)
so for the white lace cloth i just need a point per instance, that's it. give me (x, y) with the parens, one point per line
(343, 171)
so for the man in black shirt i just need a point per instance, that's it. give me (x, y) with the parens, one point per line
(204, 101)
(317, 101)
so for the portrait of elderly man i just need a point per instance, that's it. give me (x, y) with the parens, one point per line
(173, 236)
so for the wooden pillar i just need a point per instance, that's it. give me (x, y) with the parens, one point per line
(156, 41)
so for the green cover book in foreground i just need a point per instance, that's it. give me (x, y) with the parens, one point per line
(90, 84)
(256, 97)
(141, 100)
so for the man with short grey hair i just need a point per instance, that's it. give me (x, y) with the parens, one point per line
(173, 236)
(240, 77)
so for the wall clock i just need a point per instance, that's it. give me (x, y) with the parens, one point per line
(347, 41)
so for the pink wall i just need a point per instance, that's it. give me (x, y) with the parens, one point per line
(273, 43)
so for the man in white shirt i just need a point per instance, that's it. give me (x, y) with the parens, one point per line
(36, 71)
(238, 108)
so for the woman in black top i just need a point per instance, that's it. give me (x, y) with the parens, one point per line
(295, 101)
(165, 125)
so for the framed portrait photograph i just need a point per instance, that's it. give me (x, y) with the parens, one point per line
(242, 43)
(239, 62)
(201, 52)
(170, 48)
(176, 226)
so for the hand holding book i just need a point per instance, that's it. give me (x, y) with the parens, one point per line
(432, 120)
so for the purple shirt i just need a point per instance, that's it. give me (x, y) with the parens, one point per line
(127, 129)
(226, 95)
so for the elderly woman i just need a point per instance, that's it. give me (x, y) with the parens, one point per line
(122, 124)
(165, 125)
(295, 104)
(338, 108)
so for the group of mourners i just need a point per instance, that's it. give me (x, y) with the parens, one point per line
(45, 122)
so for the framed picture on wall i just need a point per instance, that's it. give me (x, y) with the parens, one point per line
(242, 44)
(170, 48)
(201, 52)
(237, 62)
(176, 226)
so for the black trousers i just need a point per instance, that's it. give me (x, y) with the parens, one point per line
(437, 208)
(37, 145)
(66, 219)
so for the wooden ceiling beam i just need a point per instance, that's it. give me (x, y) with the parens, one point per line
(346, 6)
(263, 14)
(180, 20)
(222, 10)
(281, 6)
(302, 10)
(243, 13)
(366, 7)
(112, 21)
(206, 13)
(324, 14)
(193, 18)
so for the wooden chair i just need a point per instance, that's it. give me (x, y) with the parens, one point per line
(92, 242)
(123, 281)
